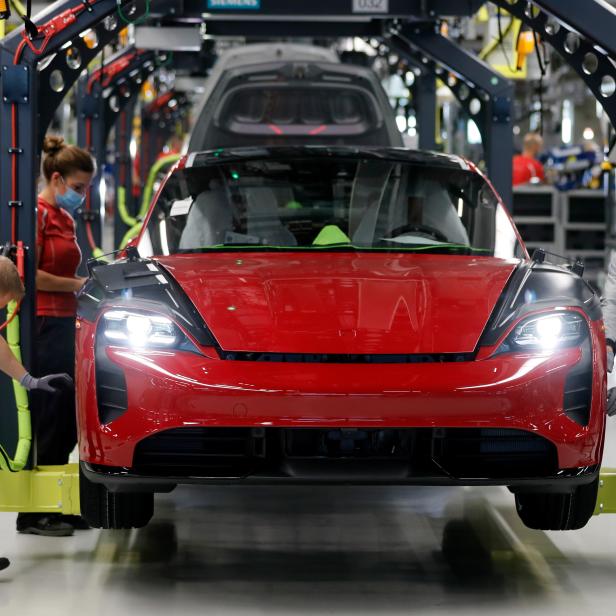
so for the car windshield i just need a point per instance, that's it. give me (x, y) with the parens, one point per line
(328, 203)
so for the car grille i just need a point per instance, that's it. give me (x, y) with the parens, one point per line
(338, 358)
(493, 452)
(321, 453)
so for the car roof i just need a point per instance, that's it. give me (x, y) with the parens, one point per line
(225, 155)
(262, 53)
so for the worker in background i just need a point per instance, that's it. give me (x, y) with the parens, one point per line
(68, 172)
(12, 289)
(526, 167)
(608, 304)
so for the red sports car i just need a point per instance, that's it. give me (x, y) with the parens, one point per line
(337, 315)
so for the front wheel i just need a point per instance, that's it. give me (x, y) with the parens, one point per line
(546, 511)
(104, 509)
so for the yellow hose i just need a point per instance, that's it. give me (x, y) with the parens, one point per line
(127, 219)
(160, 164)
(24, 427)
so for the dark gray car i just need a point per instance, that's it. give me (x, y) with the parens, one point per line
(294, 102)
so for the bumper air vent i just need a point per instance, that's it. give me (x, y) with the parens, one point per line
(111, 394)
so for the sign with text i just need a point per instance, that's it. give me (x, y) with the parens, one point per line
(235, 5)
(370, 6)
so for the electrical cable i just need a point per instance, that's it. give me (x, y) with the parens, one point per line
(495, 42)
(501, 38)
(543, 72)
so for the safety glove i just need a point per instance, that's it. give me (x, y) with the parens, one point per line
(50, 383)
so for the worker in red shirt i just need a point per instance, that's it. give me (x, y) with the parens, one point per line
(526, 167)
(68, 171)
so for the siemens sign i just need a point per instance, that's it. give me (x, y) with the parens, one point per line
(370, 6)
(235, 5)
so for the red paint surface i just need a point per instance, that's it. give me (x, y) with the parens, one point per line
(342, 302)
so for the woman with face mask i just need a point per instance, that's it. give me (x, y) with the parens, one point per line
(68, 172)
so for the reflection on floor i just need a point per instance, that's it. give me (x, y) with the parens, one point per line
(316, 551)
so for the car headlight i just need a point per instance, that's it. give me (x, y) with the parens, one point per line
(546, 332)
(140, 330)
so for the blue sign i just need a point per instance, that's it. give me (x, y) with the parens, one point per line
(234, 5)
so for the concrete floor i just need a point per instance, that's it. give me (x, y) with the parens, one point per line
(318, 551)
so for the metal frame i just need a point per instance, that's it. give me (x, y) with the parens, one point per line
(101, 98)
(158, 122)
(123, 168)
(28, 98)
(580, 33)
(30, 88)
(485, 95)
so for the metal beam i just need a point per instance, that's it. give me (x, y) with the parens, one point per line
(591, 18)
(490, 109)
(590, 57)
(102, 96)
(384, 9)
(424, 95)
(266, 28)
(123, 169)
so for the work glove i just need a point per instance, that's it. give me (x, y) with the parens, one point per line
(50, 383)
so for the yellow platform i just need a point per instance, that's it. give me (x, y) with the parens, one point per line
(55, 489)
(49, 489)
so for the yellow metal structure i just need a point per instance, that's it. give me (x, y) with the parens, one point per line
(46, 489)
(606, 499)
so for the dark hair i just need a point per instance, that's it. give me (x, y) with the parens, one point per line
(64, 158)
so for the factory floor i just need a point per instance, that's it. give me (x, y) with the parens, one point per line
(291, 550)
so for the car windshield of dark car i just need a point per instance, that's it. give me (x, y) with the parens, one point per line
(328, 203)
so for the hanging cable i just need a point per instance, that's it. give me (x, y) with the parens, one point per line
(543, 71)
(495, 42)
(501, 37)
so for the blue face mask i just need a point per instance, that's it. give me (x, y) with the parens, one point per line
(71, 200)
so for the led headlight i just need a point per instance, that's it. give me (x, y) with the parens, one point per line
(140, 329)
(547, 332)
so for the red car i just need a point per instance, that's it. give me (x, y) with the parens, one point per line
(337, 315)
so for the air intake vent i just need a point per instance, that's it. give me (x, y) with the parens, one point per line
(341, 454)
(111, 393)
(212, 452)
(493, 452)
(578, 393)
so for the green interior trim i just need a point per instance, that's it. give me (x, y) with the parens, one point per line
(331, 234)
(325, 248)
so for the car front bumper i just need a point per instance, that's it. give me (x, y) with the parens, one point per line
(170, 391)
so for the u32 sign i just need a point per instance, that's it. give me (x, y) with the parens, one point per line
(370, 6)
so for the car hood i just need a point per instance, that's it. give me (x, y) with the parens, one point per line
(347, 303)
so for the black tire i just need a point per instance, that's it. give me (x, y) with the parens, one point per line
(104, 509)
(545, 511)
